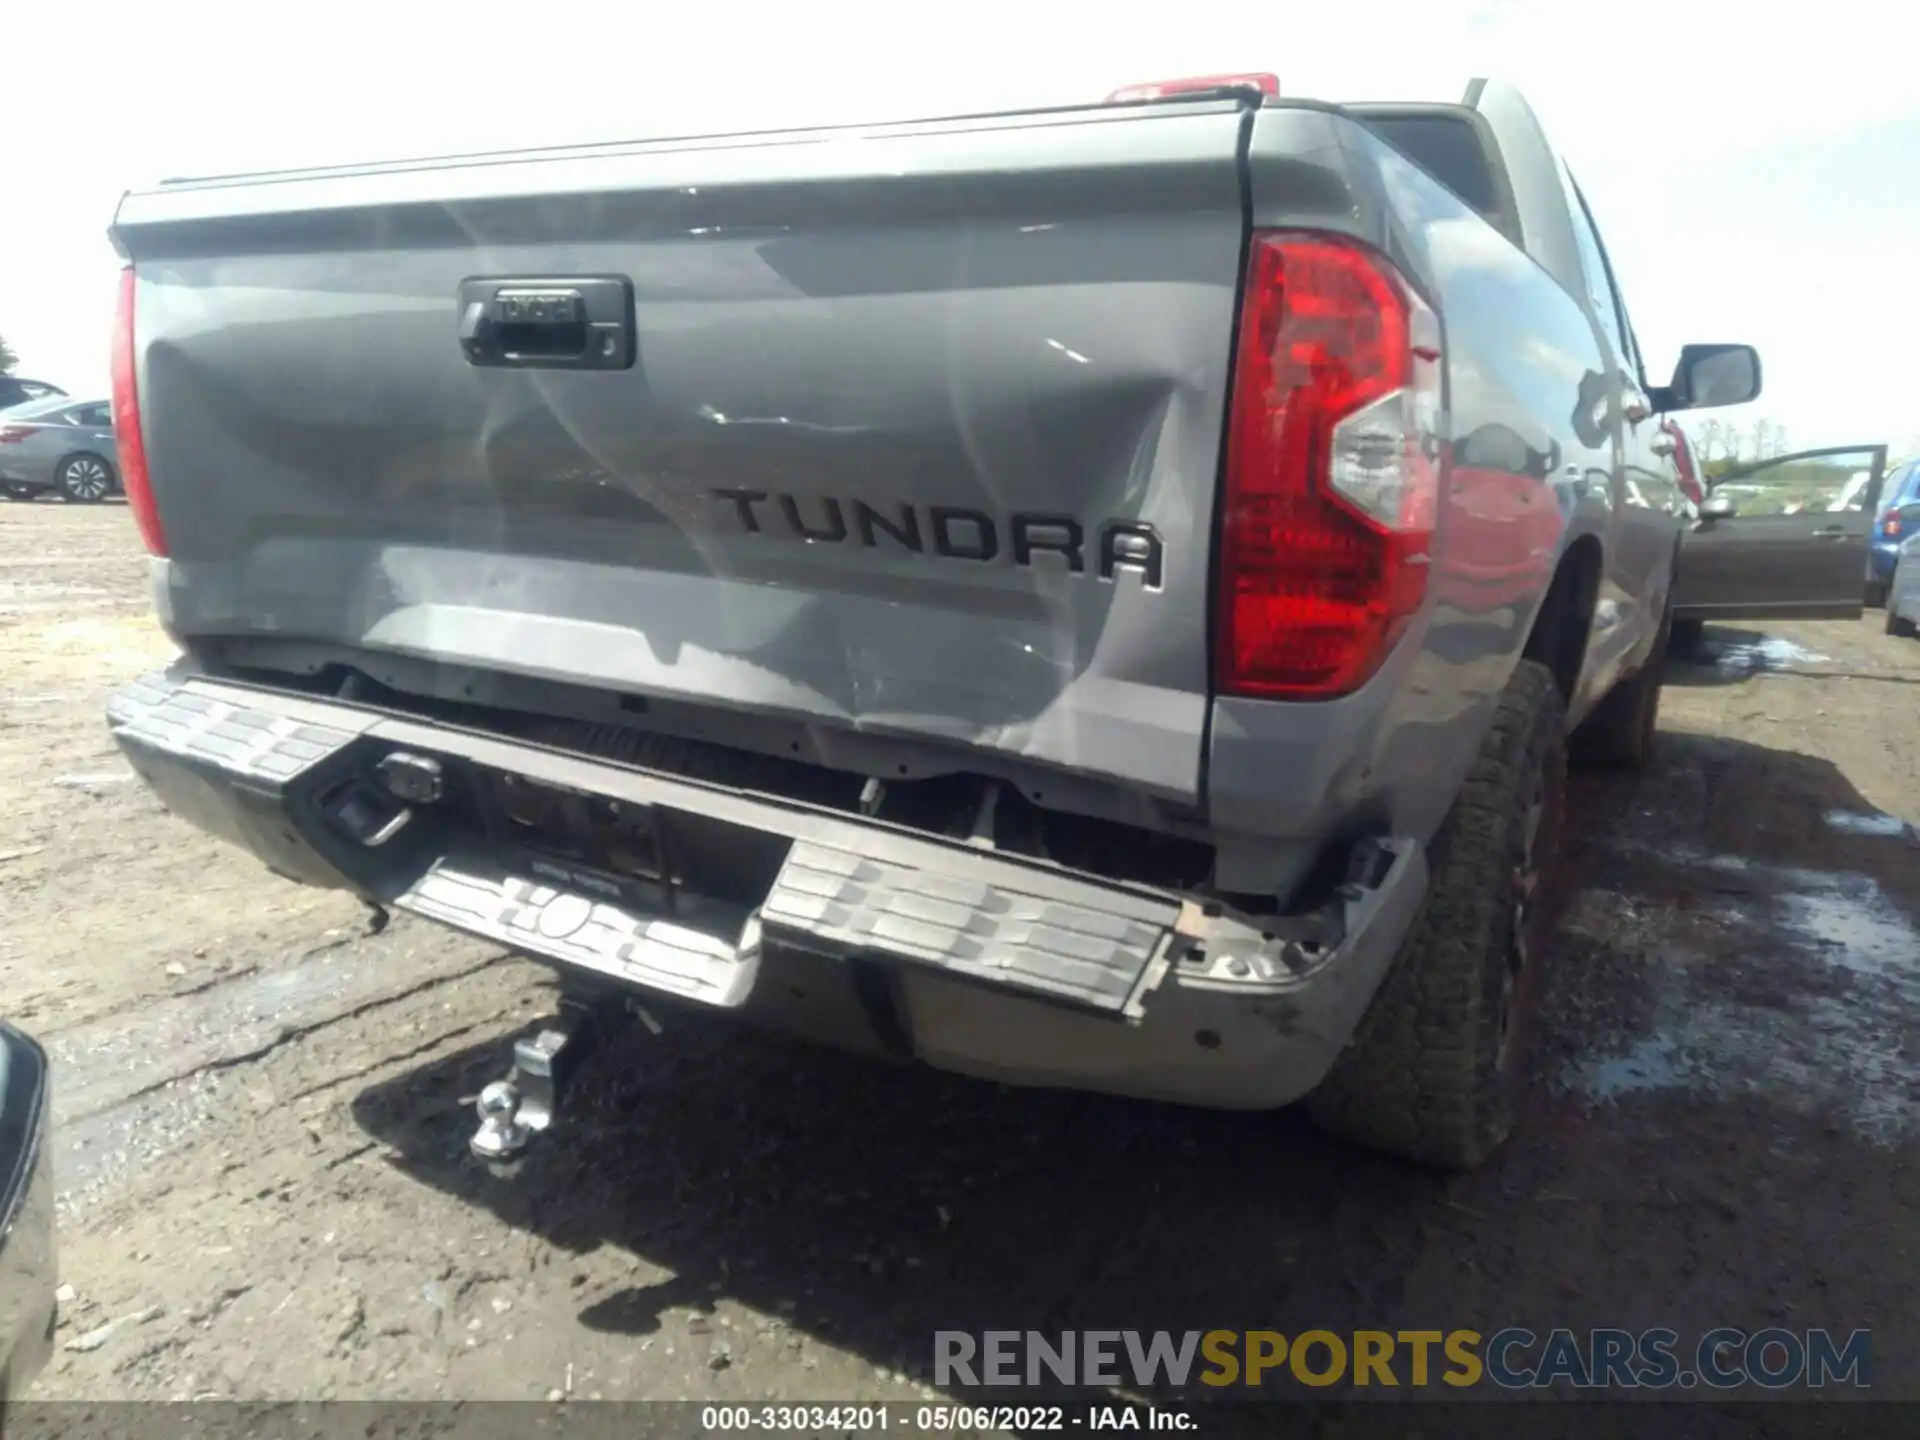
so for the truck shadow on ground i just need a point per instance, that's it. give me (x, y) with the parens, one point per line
(873, 1206)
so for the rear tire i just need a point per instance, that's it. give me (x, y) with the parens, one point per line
(1620, 732)
(1435, 1071)
(84, 479)
(1905, 629)
(1685, 636)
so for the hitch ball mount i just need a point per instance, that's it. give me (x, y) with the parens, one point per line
(526, 1103)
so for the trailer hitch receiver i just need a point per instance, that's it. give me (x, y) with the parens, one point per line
(525, 1104)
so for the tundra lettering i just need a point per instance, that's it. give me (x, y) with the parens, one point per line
(958, 533)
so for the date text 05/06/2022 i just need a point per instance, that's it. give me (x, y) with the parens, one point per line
(941, 1418)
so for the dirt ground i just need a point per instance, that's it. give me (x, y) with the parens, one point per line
(263, 1110)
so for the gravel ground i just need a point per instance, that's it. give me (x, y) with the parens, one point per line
(263, 1109)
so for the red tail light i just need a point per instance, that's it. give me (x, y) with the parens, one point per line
(126, 424)
(14, 434)
(1332, 477)
(1889, 527)
(1195, 84)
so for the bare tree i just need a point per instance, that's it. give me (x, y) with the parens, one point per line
(1729, 443)
(7, 358)
(1712, 437)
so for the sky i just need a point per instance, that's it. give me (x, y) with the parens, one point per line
(1752, 176)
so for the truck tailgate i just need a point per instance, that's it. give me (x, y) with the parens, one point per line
(920, 435)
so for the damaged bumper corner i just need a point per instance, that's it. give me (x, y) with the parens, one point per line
(1237, 1018)
(831, 926)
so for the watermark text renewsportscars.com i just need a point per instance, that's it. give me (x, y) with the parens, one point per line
(1725, 1358)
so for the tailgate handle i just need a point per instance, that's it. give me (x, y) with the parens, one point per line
(571, 323)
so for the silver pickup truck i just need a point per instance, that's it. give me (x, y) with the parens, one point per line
(1097, 598)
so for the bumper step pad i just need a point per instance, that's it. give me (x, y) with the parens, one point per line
(254, 743)
(987, 932)
(699, 956)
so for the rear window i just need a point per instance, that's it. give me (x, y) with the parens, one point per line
(15, 391)
(37, 409)
(1907, 487)
(1448, 148)
(1899, 487)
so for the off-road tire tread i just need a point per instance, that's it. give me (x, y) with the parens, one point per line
(1419, 1078)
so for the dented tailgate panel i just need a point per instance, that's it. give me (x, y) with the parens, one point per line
(919, 437)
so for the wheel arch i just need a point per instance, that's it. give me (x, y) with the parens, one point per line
(1561, 626)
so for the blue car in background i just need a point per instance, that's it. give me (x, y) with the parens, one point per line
(1903, 593)
(1902, 488)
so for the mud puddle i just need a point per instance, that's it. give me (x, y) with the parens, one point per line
(130, 1088)
(1808, 995)
(1869, 823)
(1762, 653)
(100, 1153)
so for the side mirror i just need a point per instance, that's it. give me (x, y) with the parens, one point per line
(1710, 375)
(1717, 507)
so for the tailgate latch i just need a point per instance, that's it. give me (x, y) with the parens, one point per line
(571, 323)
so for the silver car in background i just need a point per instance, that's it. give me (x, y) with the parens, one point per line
(61, 444)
